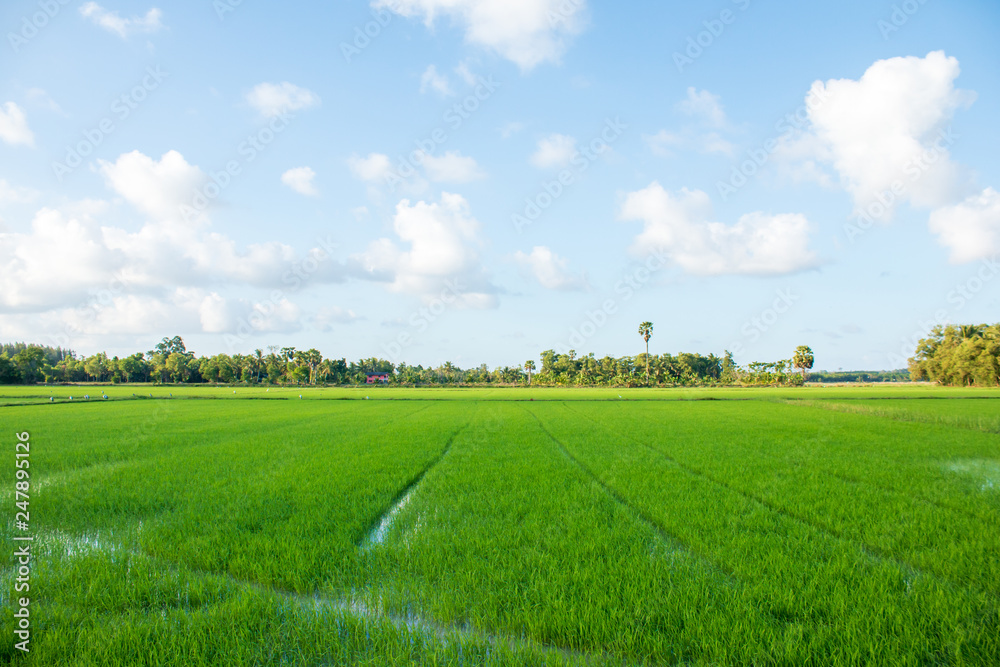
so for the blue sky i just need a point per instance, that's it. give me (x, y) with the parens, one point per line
(481, 180)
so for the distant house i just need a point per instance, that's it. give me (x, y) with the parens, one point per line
(377, 377)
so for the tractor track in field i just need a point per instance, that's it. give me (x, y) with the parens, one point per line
(381, 523)
(659, 530)
(871, 552)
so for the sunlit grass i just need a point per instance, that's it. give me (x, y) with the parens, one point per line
(530, 526)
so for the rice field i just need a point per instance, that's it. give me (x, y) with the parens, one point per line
(374, 526)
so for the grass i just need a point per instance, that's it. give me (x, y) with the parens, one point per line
(509, 527)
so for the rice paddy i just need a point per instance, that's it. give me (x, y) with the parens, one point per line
(826, 526)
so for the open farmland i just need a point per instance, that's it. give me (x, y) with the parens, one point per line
(506, 527)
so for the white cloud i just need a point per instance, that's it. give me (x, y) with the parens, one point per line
(526, 32)
(510, 129)
(661, 142)
(10, 194)
(431, 80)
(549, 269)
(971, 229)
(705, 106)
(442, 257)
(43, 99)
(465, 73)
(157, 188)
(555, 150)
(14, 125)
(887, 127)
(374, 168)
(452, 167)
(162, 254)
(328, 317)
(112, 22)
(72, 242)
(679, 225)
(275, 99)
(300, 179)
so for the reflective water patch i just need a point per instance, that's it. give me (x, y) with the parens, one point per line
(984, 472)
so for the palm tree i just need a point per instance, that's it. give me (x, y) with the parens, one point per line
(646, 331)
(803, 359)
(967, 331)
(529, 366)
(258, 362)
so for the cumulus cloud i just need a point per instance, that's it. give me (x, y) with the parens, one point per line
(328, 317)
(374, 168)
(113, 22)
(452, 167)
(10, 194)
(704, 106)
(439, 253)
(162, 254)
(890, 126)
(275, 99)
(156, 187)
(971, 229)
(555, 150)
(549, 269)
(703, 133)
(680, 225)
(431, 80)
(301, 179)
(526, 32)
(661, 142)
(71, 241)
(14, 128)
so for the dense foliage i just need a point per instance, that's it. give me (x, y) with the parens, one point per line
(962, 356)
(900, 375)
(171, 362)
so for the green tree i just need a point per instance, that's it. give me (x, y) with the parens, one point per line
(646, 331)
(803, 359)
(529, 366)
(30, 362)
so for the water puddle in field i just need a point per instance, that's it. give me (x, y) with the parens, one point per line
(984, 472)
(380, 533)
(74, 546)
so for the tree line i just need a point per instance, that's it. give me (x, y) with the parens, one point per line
(959, 355)
(171, 362)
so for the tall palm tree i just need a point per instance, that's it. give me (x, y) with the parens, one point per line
(967, 331)
(646, 331)
(258, 356)
(529, 366)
